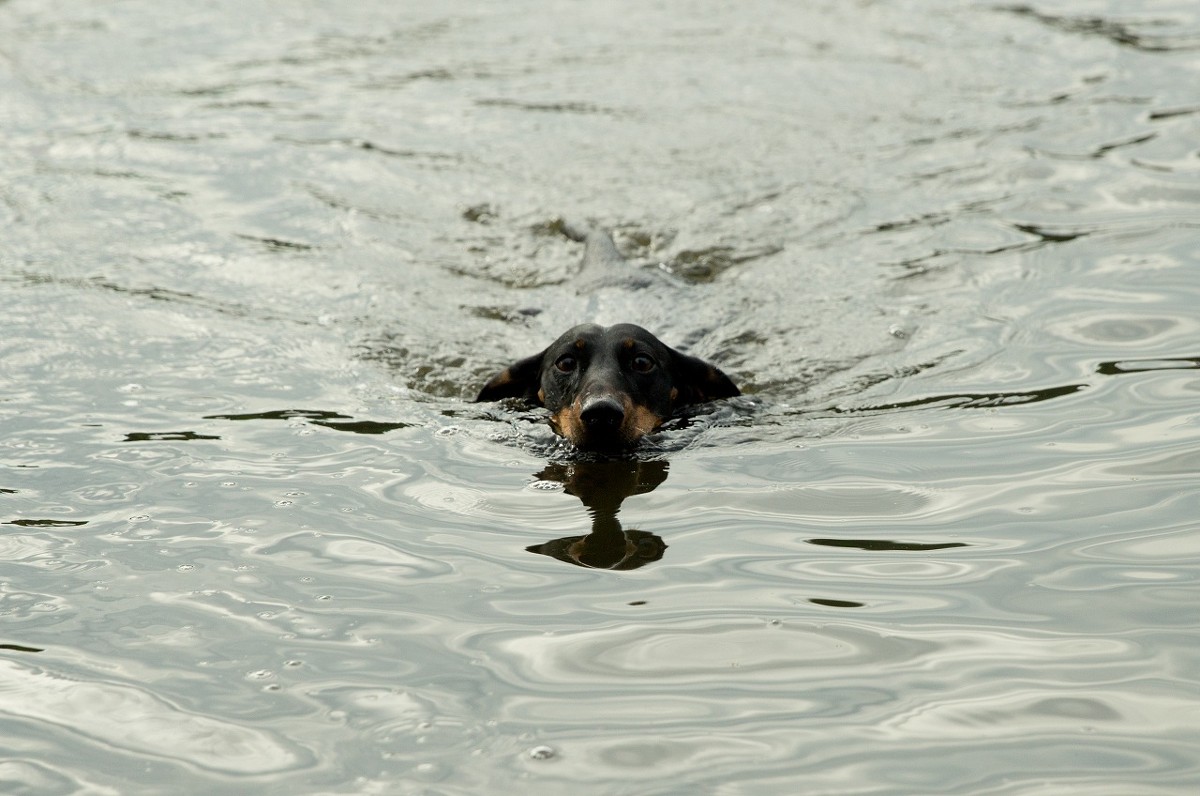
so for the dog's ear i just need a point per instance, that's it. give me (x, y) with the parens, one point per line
(522, 379)
(694, 381)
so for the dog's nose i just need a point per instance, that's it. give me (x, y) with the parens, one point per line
(602, 414)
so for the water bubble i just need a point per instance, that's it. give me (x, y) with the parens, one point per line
(541, 753)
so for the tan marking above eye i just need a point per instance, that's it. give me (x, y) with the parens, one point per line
(628, 343)
(580, 343)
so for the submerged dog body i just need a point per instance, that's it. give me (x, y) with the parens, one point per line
(608, 386)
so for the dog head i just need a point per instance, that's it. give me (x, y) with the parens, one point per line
(607, 387)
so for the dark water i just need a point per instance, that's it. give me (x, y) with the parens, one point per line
(257, 257)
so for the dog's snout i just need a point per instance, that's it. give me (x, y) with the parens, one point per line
(603, 413)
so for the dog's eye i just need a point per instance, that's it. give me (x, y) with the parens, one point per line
(643, 363)
(566, 363)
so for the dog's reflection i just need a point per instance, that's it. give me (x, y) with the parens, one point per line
(602, 486)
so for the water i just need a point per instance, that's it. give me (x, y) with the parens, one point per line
(256, 259)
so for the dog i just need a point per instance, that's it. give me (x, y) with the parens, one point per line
(606, 387)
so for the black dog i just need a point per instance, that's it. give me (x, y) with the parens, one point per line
(607, 387)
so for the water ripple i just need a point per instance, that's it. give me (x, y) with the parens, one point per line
(635, 656)
(255, 537)
(134, 721)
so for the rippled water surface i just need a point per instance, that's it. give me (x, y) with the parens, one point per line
(257, 258)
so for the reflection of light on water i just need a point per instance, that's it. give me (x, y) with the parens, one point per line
(135, 721)
(925, 571)
(684, 652)
(1118, 329)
